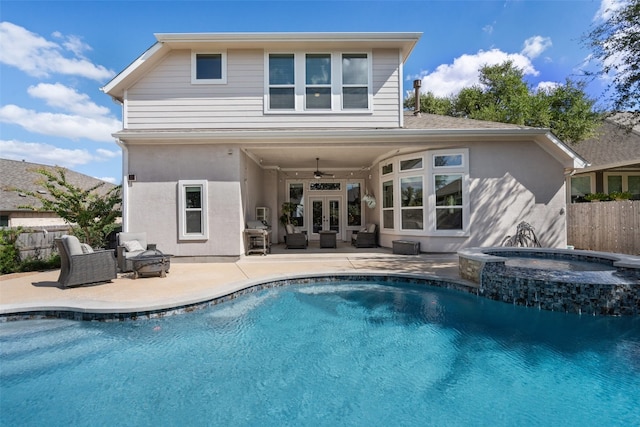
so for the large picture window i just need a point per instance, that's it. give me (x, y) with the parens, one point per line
(208, 68)
(193, 219)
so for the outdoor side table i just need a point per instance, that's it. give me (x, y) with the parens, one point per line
(151, 262)
(328, 238)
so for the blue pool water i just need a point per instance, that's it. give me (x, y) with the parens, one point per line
(327, 354)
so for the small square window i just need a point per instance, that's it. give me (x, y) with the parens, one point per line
(208, 68)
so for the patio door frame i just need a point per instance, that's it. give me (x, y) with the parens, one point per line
(326, 199)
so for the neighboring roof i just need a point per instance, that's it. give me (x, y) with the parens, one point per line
(20, 174)
(614, 146)
(294, 41)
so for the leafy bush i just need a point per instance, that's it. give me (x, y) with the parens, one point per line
(9, 252)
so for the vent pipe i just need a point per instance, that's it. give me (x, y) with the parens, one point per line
(416, 95)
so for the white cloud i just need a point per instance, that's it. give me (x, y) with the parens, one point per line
(547, 86)
(608, 8)
(63, 125)
(534, 46)
(488, 29)
(61, 96)
(48, 154)
(108, 154)
(448, 79)
(109, 179)
(39, 57)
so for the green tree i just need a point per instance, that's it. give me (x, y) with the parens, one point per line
(503, 96)
(430, 104)
(91, 213)
(616, 46)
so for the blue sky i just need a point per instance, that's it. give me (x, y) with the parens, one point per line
(56, 55)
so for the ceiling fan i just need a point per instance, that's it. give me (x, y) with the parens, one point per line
(318, 174)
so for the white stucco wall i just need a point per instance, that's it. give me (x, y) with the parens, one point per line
(509, 182)
(153, 197)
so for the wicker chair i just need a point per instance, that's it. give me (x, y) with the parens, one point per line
(129, 246)
(295, 240)
(79, 264)
(366, 237)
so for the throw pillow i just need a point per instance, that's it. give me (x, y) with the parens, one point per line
(290, 229)
(86, 249)
(133, 246)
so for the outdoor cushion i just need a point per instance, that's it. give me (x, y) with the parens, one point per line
(290, 229)
(363, 229)
(73, 245)
(371, 228)
(133, 246)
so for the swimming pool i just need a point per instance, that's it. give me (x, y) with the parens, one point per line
(347, 353)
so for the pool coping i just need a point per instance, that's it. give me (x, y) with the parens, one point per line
(16, 312)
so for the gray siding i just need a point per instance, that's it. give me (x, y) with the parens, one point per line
(165, 98)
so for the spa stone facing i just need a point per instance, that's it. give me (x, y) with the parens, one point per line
(613, 293)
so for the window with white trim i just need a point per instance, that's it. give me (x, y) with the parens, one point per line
(209, 67)
(387, 205)
(582, 185)
(355, 81)
(411, 203)
(450, 193)
(623, 182)
(192, 204)
(282, 81)
(318, 82)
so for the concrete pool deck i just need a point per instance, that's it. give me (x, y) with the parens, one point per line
(189, 283)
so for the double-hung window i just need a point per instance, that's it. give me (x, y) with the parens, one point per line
(192, 204)
(318, 81)
(411, 194)
(208, 67)
(355, 81)
(282, 81)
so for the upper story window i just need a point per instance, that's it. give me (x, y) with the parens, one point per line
(281, 82)
(318, 82)
(208, 67)
(355, 81)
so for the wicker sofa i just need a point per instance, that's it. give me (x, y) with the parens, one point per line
(80, 264)
(367, 237)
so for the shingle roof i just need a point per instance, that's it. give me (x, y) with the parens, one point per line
(16, 174)
(434, 121)
(613, 146)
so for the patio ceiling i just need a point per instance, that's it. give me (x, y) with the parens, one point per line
(340, 161)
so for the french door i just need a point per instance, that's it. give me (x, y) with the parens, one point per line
(325, 215)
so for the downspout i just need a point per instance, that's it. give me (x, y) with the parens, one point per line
(125, 185)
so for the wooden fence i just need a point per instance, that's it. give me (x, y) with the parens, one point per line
(605, 226)
(38, 242)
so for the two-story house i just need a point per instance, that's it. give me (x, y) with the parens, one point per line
(218, 125)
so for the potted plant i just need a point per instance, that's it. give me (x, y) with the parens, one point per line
(596, 197)
(287, 209)
(620, 195)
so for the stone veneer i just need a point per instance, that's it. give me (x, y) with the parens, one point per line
(593, 293)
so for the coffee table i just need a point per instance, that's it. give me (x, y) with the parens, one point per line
(328, 238)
